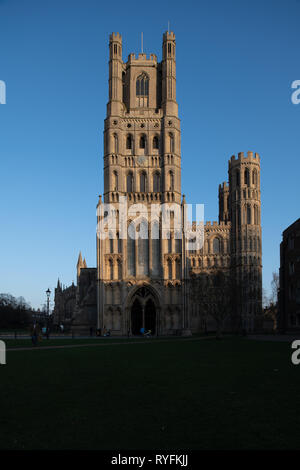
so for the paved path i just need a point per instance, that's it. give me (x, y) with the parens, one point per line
(108, 343)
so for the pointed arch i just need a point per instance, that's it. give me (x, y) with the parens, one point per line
(142, 85)
(129, 182)
(156, 182)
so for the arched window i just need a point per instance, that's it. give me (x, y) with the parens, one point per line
(237, 177)
(156, 182)
(170, 269)
(115, 181)
(143, 142)
(254, 177)
(155, 143)
(129, 183)
(171, 139)
(248, 214)
(171, 181)
(155, 248)
(143, 182)
(216, 245)
(130, 255)
(143, 249)
(119, 269)
(256, 215)
(111, 270)
(116, 146)
(111, 243)
(129, 142)
(247, 177)
(142, 85)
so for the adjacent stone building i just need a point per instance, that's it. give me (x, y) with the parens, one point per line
(289, 278)
(147, 280)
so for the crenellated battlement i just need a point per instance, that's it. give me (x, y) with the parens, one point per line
(168, 36)
(142, 58)
(215, 224)
(115, 37)
(250, 158)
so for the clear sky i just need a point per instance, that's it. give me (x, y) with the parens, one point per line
(236, 61)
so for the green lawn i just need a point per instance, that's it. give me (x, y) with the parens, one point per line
(205, 394)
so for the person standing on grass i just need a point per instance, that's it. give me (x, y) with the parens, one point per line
(34, 335)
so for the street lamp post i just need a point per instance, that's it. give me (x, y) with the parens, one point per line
(48, 293)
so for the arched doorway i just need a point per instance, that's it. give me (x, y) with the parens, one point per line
(143, 311)
(150, 316)
(136, 317)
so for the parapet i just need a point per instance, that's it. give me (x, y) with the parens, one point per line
(142, 57)
(214, 224)
(210, 223)
(168, 36)
(115, 37)
(251, 157)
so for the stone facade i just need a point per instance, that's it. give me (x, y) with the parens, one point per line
(146, 282)
(289, 277)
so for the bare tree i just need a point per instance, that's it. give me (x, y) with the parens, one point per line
(275, 287)
(215, 293)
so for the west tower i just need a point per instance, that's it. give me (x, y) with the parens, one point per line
(139, 280)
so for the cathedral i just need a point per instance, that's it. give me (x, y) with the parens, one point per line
(148, 267)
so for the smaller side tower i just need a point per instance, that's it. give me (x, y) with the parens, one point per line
(245, 210)
(115, 106)
(224, 210)
(169, 75)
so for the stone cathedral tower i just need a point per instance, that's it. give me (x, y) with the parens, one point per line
(139, 280)
(145, 276)
(245, 209)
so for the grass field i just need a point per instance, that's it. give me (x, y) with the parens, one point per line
(178, 394)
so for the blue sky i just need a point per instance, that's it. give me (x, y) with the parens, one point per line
(236, 61)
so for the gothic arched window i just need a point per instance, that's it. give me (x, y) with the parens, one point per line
(247, 177)
(142, 85)
(119, 269)
(129, 183)
(170, 269)
(171, 181)
(111, 243)
(216, 245)
(155, 142)
(129, 142)
(156, 182)
(130, 255)
(115, 181)
(171, 138)
(111, 270)
(143, 182)
(115, 149)
(155, 241)
(142, 142)
(254, 177)
(143, 249)
(248, 214)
